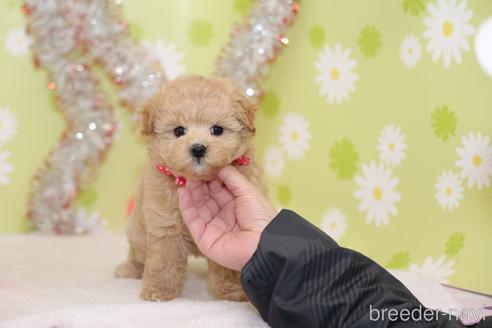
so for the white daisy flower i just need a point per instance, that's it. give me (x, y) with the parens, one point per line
(88, 223)
(8, 124)
(168, 56)
(439, 270)
(449, 190)
(410, 51)
(336, 76)
(391, 145)
(5, 168)
(333, 223)
(447, 30)
(294, 135)
(475, 160)
(273, 162)
(18, 42)
(377, 194)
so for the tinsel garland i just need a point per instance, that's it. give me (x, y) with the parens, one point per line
(70, 37)
(254, 44)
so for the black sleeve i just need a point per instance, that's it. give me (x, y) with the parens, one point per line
(300, 277)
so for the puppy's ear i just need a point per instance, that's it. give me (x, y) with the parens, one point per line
(147, 115)
(247, 112)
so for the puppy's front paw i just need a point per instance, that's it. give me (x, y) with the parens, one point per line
(128, 270)
(158, 295)
(231, 295)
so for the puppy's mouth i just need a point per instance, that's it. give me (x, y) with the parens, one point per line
(199, 165)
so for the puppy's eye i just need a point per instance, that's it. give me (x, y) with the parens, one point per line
(216, 130)
(179, 131)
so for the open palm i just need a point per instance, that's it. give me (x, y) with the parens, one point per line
(225, 216)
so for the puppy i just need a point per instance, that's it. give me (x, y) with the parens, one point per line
(193, 127)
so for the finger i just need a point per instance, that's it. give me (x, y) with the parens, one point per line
(212, 206)
(219, 193)
(208, 210)
(214, 231)
(190, 214)
(187, 206)
(199, 195)
(193, 184)
(235, 181)
(228, 212)
(206, 207)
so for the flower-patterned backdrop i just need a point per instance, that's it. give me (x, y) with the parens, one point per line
(375, 124)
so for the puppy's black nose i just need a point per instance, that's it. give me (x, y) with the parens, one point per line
(198, 150)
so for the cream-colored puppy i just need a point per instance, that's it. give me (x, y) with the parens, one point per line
(193, 127)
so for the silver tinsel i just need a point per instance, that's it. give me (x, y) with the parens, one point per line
(70, 38)
(254, 44)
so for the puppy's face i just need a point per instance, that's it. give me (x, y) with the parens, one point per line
(197, 125)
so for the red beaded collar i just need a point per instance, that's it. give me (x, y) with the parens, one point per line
(181, 180)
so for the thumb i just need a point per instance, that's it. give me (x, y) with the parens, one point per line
(235, 181)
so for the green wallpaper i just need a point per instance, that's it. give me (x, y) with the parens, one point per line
(375, 124)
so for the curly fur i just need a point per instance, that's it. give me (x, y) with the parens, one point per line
(159, 240)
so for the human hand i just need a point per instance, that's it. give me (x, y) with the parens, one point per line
(225, 216)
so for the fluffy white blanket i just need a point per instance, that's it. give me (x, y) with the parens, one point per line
(67, 282)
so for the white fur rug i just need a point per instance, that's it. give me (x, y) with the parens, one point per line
(67, 282)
